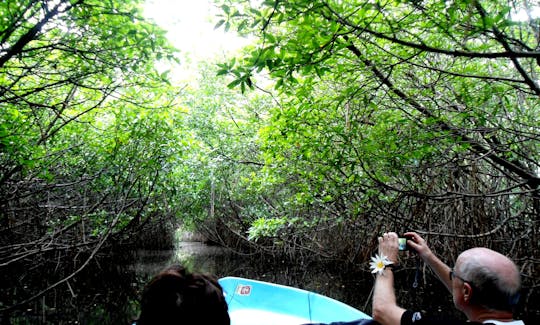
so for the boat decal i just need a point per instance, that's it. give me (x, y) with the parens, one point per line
(243, 290)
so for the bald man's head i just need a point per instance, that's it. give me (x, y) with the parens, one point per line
(494, 277)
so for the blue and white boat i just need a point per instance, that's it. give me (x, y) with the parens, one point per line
(254, 302)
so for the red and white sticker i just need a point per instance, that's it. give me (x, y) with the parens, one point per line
(243, 290)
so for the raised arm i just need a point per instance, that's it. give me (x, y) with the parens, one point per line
(385, 308)
(442, 270)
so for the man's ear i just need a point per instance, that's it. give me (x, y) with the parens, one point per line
(467, 292)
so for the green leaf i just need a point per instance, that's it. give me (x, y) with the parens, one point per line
(219, 23)
(234, 83)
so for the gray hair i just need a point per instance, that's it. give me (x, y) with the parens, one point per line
(491, 289)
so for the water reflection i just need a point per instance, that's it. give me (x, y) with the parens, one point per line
(109, 291)
(350, 286)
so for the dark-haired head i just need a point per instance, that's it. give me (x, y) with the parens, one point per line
(176, 296)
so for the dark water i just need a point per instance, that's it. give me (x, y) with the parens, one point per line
(109, 291)
(353, 287)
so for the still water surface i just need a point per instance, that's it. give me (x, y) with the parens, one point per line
(350, 287)
(109, 292)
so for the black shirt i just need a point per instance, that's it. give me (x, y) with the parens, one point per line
(416, 318)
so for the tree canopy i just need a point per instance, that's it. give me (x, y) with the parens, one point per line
(87, 136)
(400, 96)
(396, 115)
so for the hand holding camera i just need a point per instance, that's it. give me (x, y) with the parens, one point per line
(414, 242)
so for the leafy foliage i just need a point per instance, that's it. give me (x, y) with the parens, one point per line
(384, 91)
(88, 140)
(397, 115)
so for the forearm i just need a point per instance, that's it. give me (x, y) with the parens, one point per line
(440, 268)
(419, 245)
(385, 308)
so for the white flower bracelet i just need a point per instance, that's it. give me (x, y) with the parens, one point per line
(379, 263)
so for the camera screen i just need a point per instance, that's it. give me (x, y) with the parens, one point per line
(402, 244)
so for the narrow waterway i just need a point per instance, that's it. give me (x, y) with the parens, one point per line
(109, 292)
(352, 286)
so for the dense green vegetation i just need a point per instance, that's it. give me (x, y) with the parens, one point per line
(89, 136)
(393, 115)
(343, 119)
